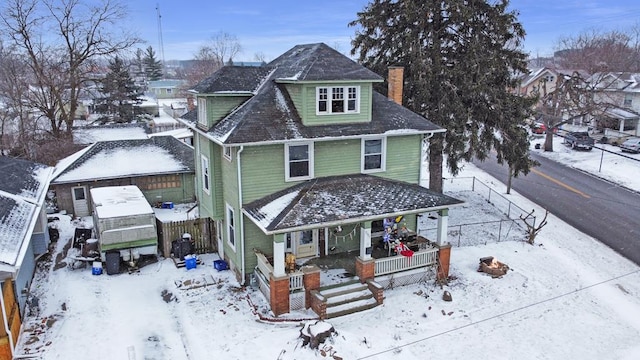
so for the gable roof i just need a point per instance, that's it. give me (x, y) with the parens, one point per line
(333, 200)
(126, 158)
(270, 116)
(23, 185)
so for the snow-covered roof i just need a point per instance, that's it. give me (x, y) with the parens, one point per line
(334, 200)
(119, 201)
(181, 133)
(618, 113)
(126, 158)
(23, 185)
(92, 134)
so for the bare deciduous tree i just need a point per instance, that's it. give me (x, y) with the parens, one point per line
(220, 49)
(60, 40)
(532, 228)
(597, 51)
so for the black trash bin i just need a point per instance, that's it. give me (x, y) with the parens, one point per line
(112, 262)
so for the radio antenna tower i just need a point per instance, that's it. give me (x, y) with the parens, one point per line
(161, 43)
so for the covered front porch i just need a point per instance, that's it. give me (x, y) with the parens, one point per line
(352, 205)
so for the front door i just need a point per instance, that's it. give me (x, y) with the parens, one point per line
(305, 243)
(80, 201)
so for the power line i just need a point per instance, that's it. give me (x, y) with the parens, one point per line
(499, 315)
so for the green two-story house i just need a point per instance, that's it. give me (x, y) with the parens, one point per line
(302, 157)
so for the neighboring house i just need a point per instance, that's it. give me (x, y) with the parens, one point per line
(183, 134)
(539, 81)
(162, 167)
(90, 134)
(620, 91)
(302, 157)
(164, 89)
(23, 237)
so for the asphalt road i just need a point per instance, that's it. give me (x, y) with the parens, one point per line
(596, 207)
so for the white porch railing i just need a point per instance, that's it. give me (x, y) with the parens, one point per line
(400, 263)
(296, 281)
(263, 265)
(296, 278)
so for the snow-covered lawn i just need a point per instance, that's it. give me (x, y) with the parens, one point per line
(567, 296)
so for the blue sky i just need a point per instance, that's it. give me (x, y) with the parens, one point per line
(272, 27)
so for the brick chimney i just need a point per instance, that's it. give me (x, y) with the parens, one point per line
(191, 103)
(396, 79)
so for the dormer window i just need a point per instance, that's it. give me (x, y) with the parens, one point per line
(202, 111)
(338, 100)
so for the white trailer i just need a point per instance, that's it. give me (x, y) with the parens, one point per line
(124, 222)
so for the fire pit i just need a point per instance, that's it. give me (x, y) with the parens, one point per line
(492, 266)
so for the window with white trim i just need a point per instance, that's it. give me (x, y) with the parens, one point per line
(227, 153)
(231, 226)
(202, 111)
(373, 155)
(206, 178)
(337, 100)
(628, 100)
(298, 161)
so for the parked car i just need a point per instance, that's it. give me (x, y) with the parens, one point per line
(631, 145)
(538, 128)
(579, 140)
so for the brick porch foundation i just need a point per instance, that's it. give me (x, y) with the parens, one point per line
(311, 280)
(444, 258)
(279, 294)
(365, 269)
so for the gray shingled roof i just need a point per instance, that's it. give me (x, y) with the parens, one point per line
(342, 199)
(319, 62)
(180, 151)
(234, 79)
(270, 116)
(22, 187)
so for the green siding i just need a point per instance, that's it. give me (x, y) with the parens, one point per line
(221, 106)
(255, 239)
(205, 201)
(263, 167)
(183, 194)
(262, 171)
(308, 112)
(295, 92)
(340, 157)
(403, 158)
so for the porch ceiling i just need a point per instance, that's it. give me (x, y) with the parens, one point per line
(331, 201)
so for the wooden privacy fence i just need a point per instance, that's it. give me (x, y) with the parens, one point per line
(12, 320)
(202, 231)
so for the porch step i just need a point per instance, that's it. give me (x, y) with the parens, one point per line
(348, 298)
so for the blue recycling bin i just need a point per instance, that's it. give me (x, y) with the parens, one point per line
(190, 262)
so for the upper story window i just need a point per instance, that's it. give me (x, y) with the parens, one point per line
(227, 153)
(206, 179)
(373, 155)
(202, 111)
(338, 100)
(298, 161)
(628, 100)
(548, 78)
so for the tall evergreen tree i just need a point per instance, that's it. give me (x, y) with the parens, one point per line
(120, 91)
(459, 57)
(152, 66)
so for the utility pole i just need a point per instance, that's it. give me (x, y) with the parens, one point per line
(160, 41)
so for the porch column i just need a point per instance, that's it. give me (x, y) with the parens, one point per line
(365, 241)
(443, 223)
(621, 125)
(279, 280)
(278, 255)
